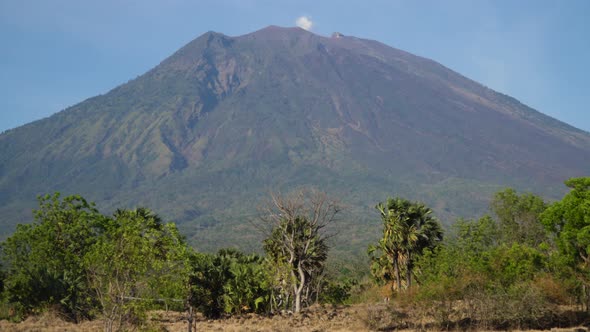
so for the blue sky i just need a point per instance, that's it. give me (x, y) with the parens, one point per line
(57, 53)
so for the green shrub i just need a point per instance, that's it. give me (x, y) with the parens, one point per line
(337, 292)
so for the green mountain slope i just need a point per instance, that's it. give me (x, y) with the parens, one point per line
(204, 136)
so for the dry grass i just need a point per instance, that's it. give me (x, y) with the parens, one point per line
(362, 317)
(49, 322)
(316, 319)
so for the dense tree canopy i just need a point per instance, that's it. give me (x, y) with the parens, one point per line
(84, 263)
(519, 216)
(44, 260)
(136, 260)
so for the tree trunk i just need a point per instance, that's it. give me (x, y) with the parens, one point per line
(297, 302)
(398, 278)
(586, 299)
(299, 289)
(409, 270)
(190, 318)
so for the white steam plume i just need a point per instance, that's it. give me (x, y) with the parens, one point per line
(304, 22)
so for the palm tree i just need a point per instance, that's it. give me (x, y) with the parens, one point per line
(420, 231)
(408, 229)
(393, 232)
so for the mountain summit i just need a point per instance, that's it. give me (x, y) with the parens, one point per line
(203, 136)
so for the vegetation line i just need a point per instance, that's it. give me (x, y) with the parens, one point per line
(526, 265)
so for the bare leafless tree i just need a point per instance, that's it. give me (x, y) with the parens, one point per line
(295, 234)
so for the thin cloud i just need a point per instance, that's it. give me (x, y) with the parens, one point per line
(304, 22)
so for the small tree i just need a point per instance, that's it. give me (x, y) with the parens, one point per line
(519, 217)
(133, 262)
(44, 259)
(569, 221)
(296, 238)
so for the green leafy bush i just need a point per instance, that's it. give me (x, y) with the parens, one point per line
(44, 260)
(229, 282)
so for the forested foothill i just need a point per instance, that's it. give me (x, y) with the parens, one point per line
(525, 265)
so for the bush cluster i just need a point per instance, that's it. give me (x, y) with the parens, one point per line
(514, 269)
(82, 264)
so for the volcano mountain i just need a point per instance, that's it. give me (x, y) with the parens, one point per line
(204, 136)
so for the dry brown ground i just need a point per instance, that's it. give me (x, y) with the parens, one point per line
(317, 319)
(346, 318)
